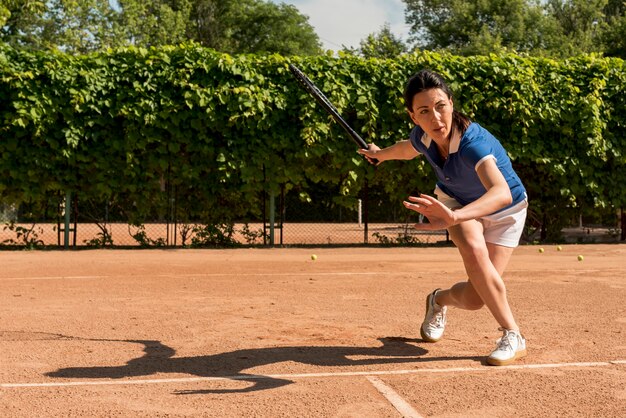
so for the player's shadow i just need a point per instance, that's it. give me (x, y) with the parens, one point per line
(159, 358)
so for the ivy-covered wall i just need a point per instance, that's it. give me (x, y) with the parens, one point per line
(124, 125)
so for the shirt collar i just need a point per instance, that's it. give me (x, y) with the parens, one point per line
(454, 144)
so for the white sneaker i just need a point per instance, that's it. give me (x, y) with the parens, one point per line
(435, 319)
(509, 347)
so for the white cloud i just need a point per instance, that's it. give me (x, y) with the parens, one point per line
(347, 22)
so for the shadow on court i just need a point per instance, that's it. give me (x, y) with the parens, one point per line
(159, 358)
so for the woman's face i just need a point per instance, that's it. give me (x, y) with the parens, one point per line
(432, 111)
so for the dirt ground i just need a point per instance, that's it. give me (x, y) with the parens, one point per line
(273, 333)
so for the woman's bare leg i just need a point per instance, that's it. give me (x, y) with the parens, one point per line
(484, 264)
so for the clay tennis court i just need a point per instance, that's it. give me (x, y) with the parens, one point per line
(272, 333)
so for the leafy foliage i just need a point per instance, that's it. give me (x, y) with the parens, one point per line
(27, 236)
(553, 28)
(232, 26)
(75, 26)
(480, 27)
(382, 44)
(153, 23)
(135, 128)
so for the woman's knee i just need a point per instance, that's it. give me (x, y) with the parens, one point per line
(474, 250)
(468, 237)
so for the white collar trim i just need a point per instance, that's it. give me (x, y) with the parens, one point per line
(454, 144)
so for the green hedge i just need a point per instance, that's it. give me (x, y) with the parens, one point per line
(124, 125)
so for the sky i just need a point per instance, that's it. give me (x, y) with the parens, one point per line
(347, 22)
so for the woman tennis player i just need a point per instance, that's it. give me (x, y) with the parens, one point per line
(480, 200)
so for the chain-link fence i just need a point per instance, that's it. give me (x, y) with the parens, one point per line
(186, 235)
(285, 219)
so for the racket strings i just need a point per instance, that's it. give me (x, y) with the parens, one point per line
(312, 89)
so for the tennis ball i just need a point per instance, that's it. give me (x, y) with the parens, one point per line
(541, 250)
(581, 258)
(559, 248)
(313, 257)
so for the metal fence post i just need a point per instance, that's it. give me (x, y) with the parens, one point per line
(366, 213)
(68, 208)
(623, 225)
(272, 216)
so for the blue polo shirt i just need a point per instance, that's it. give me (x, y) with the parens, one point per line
(457, 176)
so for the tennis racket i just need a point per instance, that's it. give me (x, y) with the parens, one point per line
(312, 89)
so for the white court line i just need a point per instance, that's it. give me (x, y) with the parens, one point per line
(248, 274)
(313, 375)
(402, 406)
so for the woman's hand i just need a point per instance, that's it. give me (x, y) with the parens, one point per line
(370, 154)
(438, 214)
(401, 150)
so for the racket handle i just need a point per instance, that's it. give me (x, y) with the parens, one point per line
(373, 161)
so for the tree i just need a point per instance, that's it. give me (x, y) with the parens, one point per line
(208, 23)
(252, 26)
(614, 37)
(557, 28)
(479, 27)
(614, 33)
(581, 23)
(19, 21)
(383, 44)
(233, 26)
(263, 27)
(75, 26)
(5, 13)
(157, 22)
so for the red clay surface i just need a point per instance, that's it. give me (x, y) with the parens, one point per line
(272, 333)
